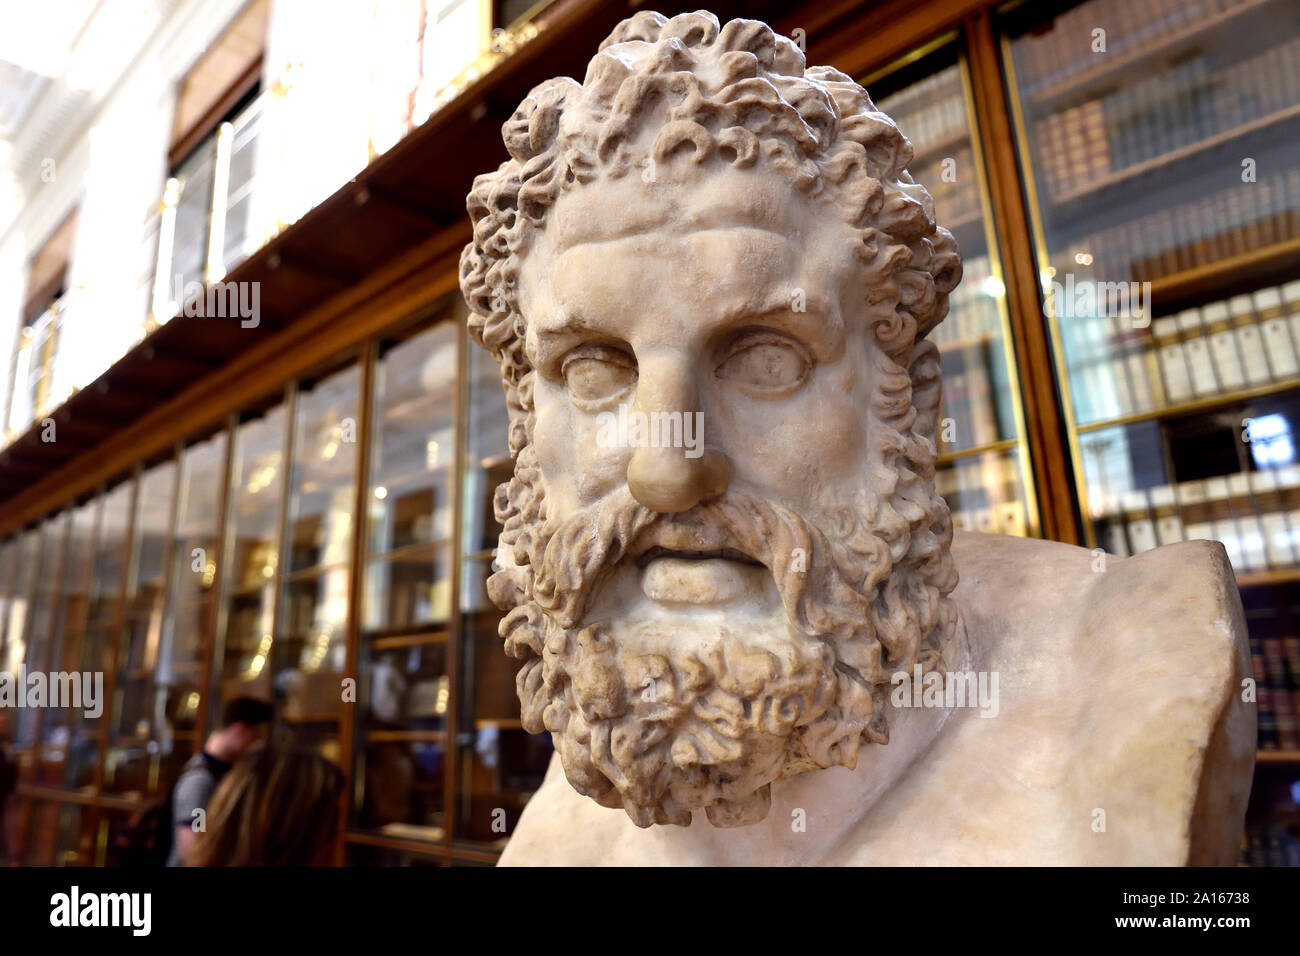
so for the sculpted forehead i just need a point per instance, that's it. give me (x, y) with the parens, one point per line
(679, 200)
(724, 243)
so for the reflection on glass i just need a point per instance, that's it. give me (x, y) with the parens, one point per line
(311, 644)
(979, 428)
(39, 654)
(194, 552)
(71, 737)
(984, 493)
(500, 764)
(405, 693)
(1178, 334)
(252, 536)
(931, 112)
(138, 740)
(408, 580)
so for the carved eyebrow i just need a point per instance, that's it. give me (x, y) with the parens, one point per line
(819, 325)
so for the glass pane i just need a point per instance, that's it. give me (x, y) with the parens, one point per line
(1177, 342)
(75, 843)
(29, 547)
(193, 210)
(405, 691)
(500, 764)
(1168, 188)
(194, 554)
(408, 580)
(9, 583)
(72, 734)
(251, 559)
(984, 492)
(138, 742)
(241, 238)
(39, 650)
(311, 644)
(928, 100)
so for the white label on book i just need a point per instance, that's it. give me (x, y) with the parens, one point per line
(1252, 354)
(1115, 542)
(1281, 351)
(1201, 367)
(1227, 364)
(1277, 540)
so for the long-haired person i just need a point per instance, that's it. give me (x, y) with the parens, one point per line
(278, 806)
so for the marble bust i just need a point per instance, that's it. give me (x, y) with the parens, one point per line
(709, 281)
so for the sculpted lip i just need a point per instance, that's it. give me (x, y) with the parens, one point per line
(724, 554)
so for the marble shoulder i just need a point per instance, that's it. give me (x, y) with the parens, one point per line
(1146, 665)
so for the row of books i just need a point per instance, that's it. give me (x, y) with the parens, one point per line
(1275, 665)
(930, 111)
(984, 494)
(1272, 844)
(1117, 368)
(1166, 111)
(1255, 514)
(1070, 47)
(972, 312)
(1229, 222)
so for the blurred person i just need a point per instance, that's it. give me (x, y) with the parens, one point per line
(245, 722)
(278, 806)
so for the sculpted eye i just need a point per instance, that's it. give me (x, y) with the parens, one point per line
(595, 373)
(766, 362)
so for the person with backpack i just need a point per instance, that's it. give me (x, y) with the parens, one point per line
(245, 722)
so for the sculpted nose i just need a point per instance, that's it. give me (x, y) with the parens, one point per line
(670, 470)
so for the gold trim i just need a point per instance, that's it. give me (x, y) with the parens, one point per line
(907, 59)
(1223, 399)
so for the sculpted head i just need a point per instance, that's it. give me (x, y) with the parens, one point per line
(709, 279)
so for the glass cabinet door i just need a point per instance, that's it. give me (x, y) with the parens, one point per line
(405, 694)
(983, 460)
(311, 642)
(1159, 152)
(43, 652)
(240, 669)
(78, 653)
(138, 732)
(500, 764)
(106, 609)
(194, 554)
(1159, 148)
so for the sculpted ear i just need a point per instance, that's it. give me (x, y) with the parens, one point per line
(927, 388)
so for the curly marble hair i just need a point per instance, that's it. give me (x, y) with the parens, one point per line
(689, 90)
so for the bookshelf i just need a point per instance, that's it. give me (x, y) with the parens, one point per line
(1163, 198)
(983, 458)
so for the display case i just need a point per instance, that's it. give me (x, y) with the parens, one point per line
(138, 739)
(406, 623)
(983, 468)
(1164, 188)
(501, 764)
(251, 556)
(309, 650)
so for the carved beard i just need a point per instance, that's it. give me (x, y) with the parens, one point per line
(712, 725)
